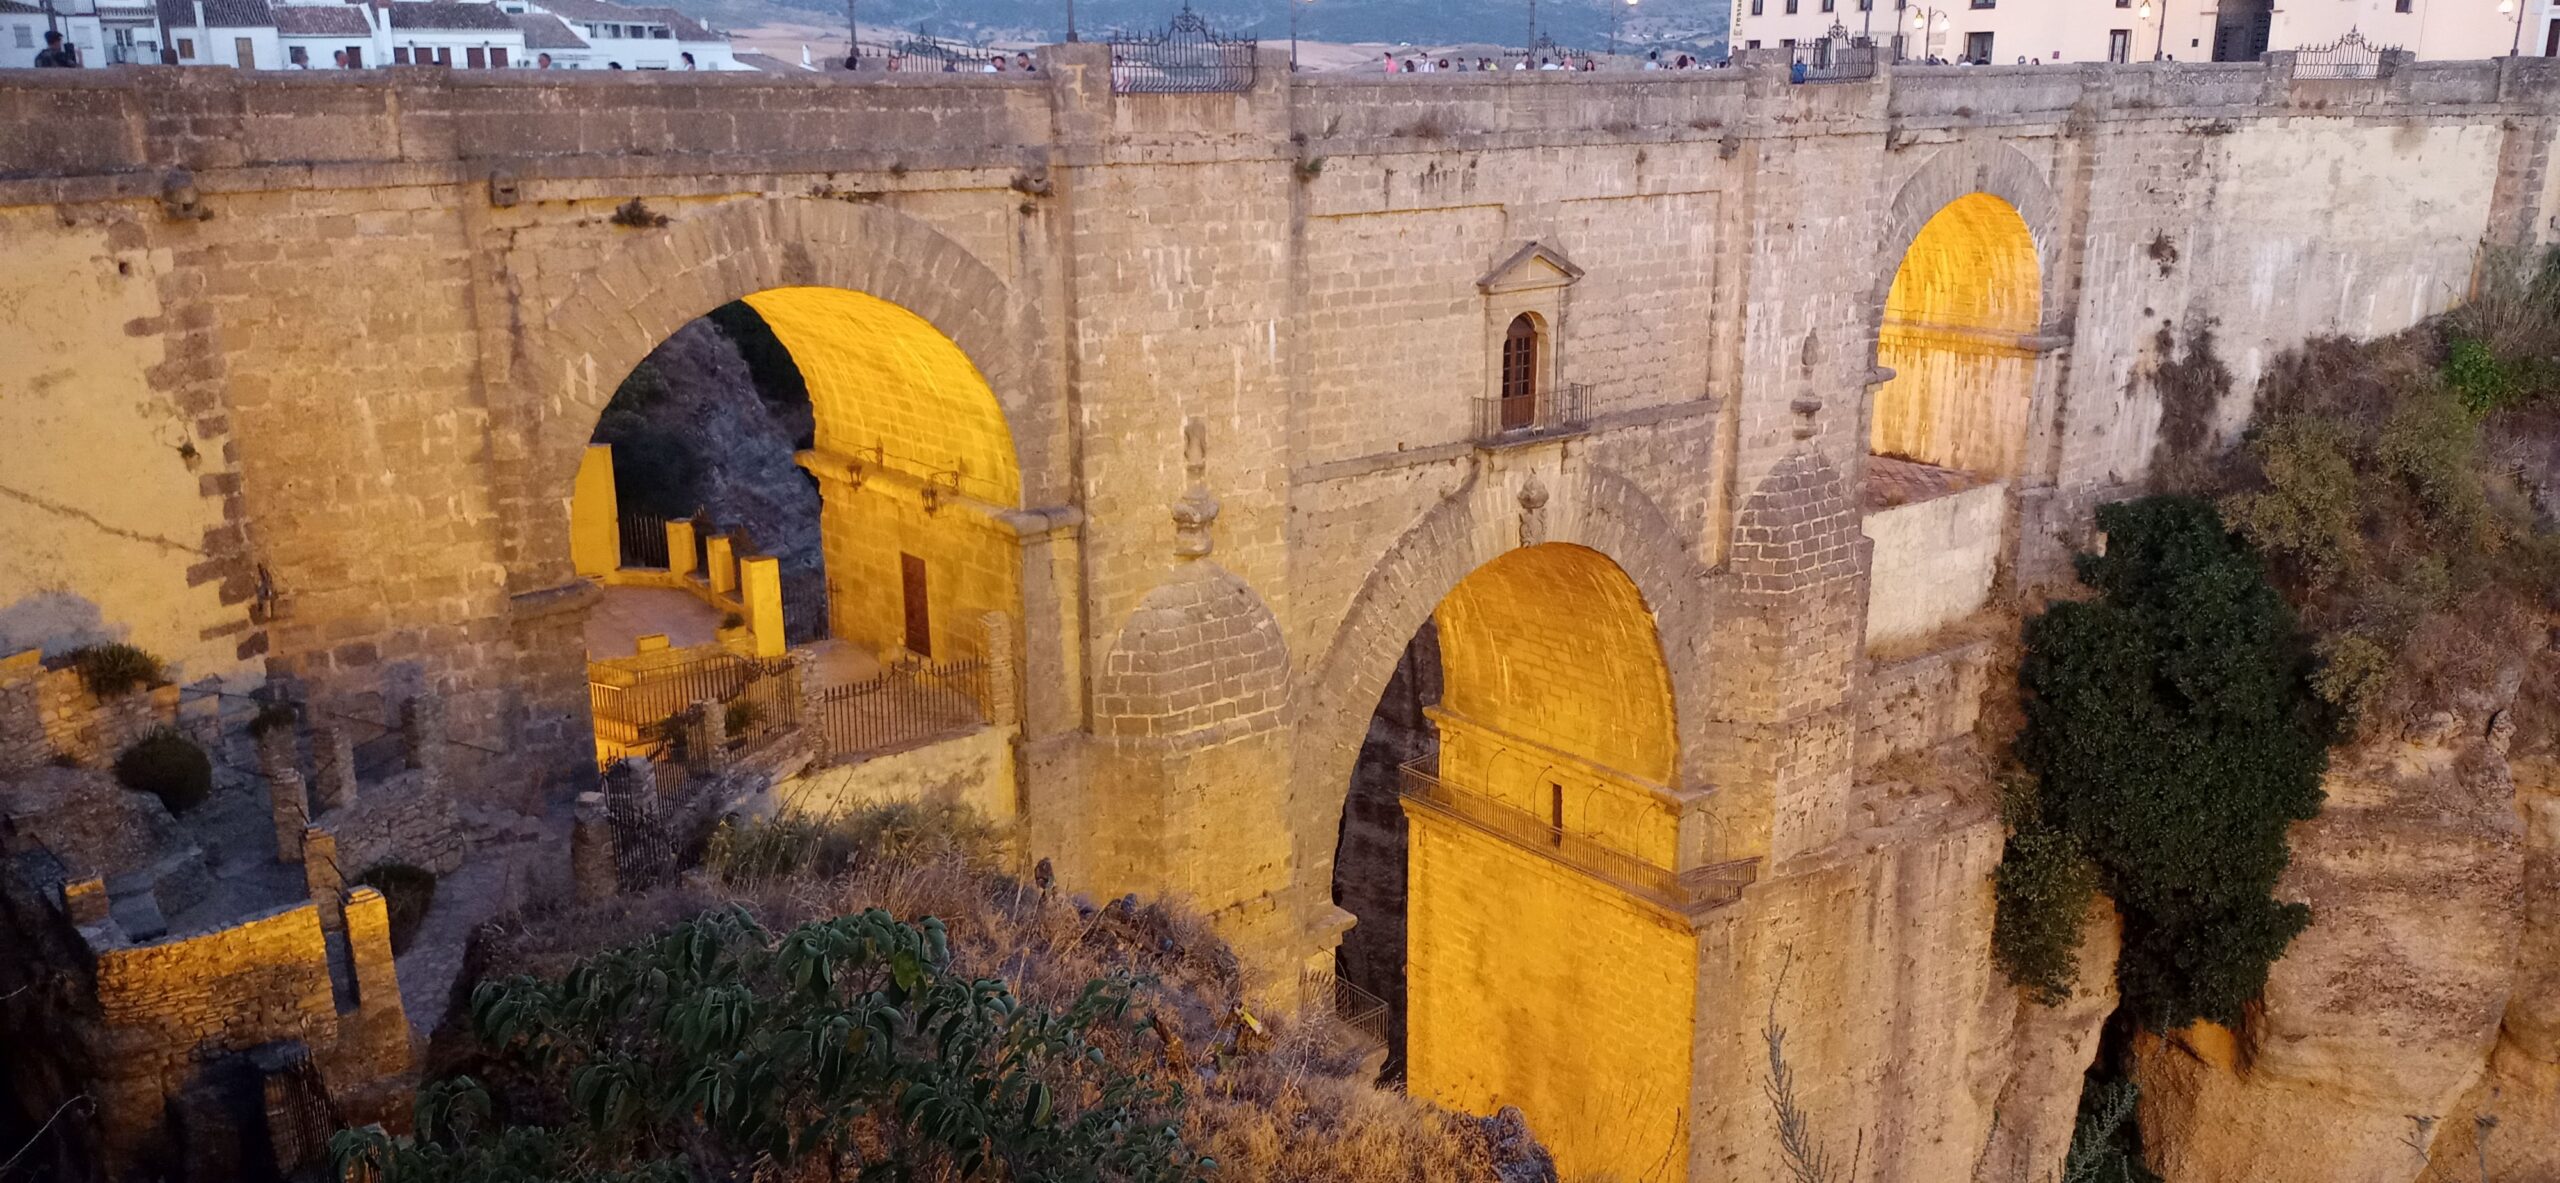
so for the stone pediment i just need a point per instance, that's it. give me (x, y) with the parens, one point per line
(1535, 265)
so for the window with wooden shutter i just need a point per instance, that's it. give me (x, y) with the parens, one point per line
(1520, 373)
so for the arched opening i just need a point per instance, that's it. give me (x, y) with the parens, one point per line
(1520, 355)
(1950, 428)
(1510, 846)
(1957, 327)
(808, 470)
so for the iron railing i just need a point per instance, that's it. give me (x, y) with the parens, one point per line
(1358, 1011)
(1187, 58)
(632, 707)
(1693, 890)
(1838, 58)
(1558, 410)
(902, 706)
(644, 541)
(2350, 56)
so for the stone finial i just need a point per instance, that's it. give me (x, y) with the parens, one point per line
(1197, 511)
(1533, 511)
(322, 879)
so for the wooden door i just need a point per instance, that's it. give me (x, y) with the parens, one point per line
(919, 617)
(1520, 373)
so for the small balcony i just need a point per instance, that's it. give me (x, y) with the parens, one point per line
(1694, 891)
(1558, 411)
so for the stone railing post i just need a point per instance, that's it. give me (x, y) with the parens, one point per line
(85, 901)
(682, 556)
(290, 804)
(591, 874)
(1004, 696)
(322, 879)
(333, 757)
(724, 567)
(760, 588)
(422, 728)
(706, 741)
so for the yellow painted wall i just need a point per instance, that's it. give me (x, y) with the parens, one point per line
(1554, 644)
(973, 565)
(103, 513)
(881, 377)
(1966, 293)
(1532, 984)
(595, 517)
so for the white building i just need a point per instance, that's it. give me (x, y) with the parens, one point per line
(236, 33)
(2001, 32)
(472, 36)
(315, 36)
(632, 38)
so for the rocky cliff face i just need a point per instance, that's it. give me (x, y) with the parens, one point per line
(751, 487)
(2426, 992)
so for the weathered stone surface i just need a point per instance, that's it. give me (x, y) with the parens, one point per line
(2387, 1007)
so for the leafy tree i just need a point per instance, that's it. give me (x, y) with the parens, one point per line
(844, 1049)
(2175, 736)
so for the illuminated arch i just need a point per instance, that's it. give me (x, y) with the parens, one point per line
(1553, 644)
(886, 385)
(1959, 323)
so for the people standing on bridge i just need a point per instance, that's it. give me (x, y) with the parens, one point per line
(57, 54)
(1022, 62)
(541, 61)
(1391, 61)
(688, 60)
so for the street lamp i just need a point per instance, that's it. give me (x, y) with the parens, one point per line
(1922, 20)
(2515, 47)
(2160, 40)
(1615, 14)
(1293, 32)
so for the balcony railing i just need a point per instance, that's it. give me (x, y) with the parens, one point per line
(1560, 410)
(1695, 890)
(1362, 1014)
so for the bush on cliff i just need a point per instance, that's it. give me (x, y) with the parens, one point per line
(114, 668)
(167, 765)
(2173, 735)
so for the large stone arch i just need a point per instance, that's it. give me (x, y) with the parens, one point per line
(567, 366)
(1494, 512)
(1972, 166)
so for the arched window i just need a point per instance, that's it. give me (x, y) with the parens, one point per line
(1520, 373)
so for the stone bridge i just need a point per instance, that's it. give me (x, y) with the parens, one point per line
(1701, 411)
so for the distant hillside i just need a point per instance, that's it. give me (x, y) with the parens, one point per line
(1694, 24)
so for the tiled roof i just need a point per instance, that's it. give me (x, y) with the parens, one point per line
(762, 61)
(684, 27)
(218, 14)
(449, 14)
(321, 20)
(543, 31)
(586, 10)
(13, 8)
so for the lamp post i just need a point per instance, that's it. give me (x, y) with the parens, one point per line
(1071, 23)
(1615, 14)
(2160, 36)
(1928, 22)
(853, 37)
(2515, 47)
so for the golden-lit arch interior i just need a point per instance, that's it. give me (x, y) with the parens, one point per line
(884, 382)
(1529, 980)
(1965, 299)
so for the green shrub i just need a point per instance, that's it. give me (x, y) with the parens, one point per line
(905, 833)
(2174, 733)
(167, 765)
(2106, 1140)
(2310, 512)
(2478, 377)
(2355, 673)
(2432, 446)
(114, 668)
(407, 893)
(845, 1048)
(741, 716)
(2044, 885)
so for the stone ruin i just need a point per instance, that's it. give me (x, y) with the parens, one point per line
(215, 984)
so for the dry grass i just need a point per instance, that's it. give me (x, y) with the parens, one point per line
(1290, 1105)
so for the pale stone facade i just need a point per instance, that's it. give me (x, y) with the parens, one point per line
(1237, 342)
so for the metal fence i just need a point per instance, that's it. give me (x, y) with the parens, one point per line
(1357, 1010)
(1838, 58)
(1554, 411)
(901, 706)
(632, 708)
(2350, 56)
(1695, 889)
(644, 541)
(1187, 58)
